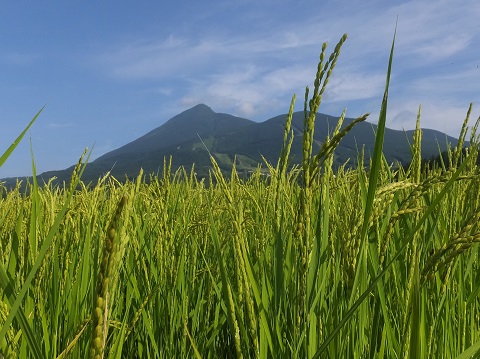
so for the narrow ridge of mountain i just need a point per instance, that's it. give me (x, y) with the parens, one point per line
(188, 125)
(229, 138)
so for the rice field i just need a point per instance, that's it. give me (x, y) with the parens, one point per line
(373, 262)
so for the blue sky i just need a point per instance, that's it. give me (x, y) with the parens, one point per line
(108, 72)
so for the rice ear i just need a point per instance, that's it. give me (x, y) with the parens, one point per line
(105, 280)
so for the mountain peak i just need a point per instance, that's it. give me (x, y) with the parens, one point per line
(200, 108)
(186, 126)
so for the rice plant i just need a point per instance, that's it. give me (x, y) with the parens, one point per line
(376, 261)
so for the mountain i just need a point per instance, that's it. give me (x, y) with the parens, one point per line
(190, 136)
(266, 138)
(200, 120)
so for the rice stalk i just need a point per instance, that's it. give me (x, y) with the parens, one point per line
(103, 287)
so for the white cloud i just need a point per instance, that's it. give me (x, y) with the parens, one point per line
(251, 73)
(350, 86)
(249, 91)
(247, 109)
(170, 57)
(445, 47)
(431, 31)
(456, 83)
(437, 115)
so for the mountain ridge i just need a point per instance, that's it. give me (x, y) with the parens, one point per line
(229, 137)
(205, 120)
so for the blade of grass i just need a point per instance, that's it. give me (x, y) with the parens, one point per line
(5, 282)
(116, 350)
(7, 287)
(15, 143)
(418, 330)
(374, 172)
(471, 352)
(410, 237)
(41, 255)
(258, 299)
(192, 342)
(226, 289)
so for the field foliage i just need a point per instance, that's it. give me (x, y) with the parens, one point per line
(373, 262)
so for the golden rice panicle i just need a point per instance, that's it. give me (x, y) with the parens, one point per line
(104, 284)
(74, 177)
(331, 144)
(324, 71)
(461, 139)
(287, 141)
(416, 164)
(474, 146)
(333, 61)
(446, 255)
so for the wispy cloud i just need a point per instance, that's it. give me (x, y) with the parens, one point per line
(252, 72)
(175, 56)
(444, 117)
(351, 86)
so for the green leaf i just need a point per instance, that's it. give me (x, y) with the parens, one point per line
(15, 308)
(15, 143)
(374, 172)
(409, 239)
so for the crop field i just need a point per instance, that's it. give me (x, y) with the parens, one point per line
(380, 261)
